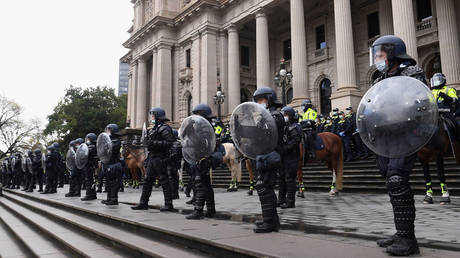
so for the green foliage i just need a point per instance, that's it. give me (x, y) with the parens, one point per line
(83, 111)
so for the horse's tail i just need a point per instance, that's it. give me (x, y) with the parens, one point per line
(339, 171)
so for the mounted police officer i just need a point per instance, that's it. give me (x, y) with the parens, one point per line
(290, 157)
(308, 112)
(159, 141)
(203, 192)
(389, 55)
(344, 128)
(90, 167)
(112, 167)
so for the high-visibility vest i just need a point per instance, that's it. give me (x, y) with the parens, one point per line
(451, 92)
(310, 114)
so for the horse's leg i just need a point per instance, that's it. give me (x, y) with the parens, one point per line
(251, 176)
(428, 187)
(233, 172)
(333, 167)
(445, 199)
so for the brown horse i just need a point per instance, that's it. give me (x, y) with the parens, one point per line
(134, 158)
(332, 156)
(438, 148)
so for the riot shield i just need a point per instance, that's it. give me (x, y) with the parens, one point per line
(70, 159)
(44, 162)
(23, 164)
(104, 148)
(81, 156)
(397, 117)
(29, 165)
(253, 130)
(197, 138)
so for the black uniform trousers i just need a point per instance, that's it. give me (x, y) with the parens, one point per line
(156, 167)
(203, 192)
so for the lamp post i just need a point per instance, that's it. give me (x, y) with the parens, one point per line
(219, 99)
(283, 78)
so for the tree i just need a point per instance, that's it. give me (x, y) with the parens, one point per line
(82, 111)
(14, 132)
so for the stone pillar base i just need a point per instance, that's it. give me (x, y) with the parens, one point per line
(344, 98)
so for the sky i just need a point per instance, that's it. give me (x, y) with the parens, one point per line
(47, 45)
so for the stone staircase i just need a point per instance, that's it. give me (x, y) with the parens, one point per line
(359, 176)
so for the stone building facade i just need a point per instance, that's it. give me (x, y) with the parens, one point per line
(181, 51)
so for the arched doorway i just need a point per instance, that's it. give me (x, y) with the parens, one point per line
(325, 96)
(433, 66)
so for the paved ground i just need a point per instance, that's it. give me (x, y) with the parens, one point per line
(369, 215)
(351, 212)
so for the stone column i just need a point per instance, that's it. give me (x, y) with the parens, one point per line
(347, 93)
(385, 17)
(208, 67)
(404, 25)
(449, 41)
(196, 66)
(141, 105)
(223, 71)
(134, 95)
(262, 50)
(299, 51)
(233, 93)
(153, 84)
(164, 75)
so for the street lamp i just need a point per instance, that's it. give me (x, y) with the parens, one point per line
(283, 78)
(219, 99)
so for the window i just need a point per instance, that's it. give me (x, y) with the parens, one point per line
(320, 37)
(373, 26)
(287, 49)
(244, 56)
(325, 92)
(188, 58)
(423, 10)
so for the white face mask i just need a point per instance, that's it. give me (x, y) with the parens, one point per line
(286, 119)
(88, 142)
(381, 66)
(263, 105)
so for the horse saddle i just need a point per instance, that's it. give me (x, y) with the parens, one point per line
(319, 144)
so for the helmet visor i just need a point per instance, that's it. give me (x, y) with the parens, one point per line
(437, 81)
(379, 53)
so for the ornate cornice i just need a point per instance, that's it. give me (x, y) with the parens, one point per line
(150, 26)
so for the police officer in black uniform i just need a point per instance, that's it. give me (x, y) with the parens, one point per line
(61, 170)
(30, 173)
(159, 140)
(75, 174)
(290, 157)
(38, 169)
(267, 165)
(344, 131)
(174, 163)
(90, 167)
(389, 54)
(113, 168)
(52, 160)
(203, 192)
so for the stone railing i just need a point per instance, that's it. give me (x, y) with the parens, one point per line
(426, 26)
(319, 55)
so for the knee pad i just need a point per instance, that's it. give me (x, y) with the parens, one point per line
(397, 186)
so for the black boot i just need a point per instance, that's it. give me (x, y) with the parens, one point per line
(196, 215)
(385, 242)
(210, 213)
(140, 206)
(403, 247)
(268, 202)
(167, 207)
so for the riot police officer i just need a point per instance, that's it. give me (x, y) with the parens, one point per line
(344, 131)
(389, 55)
(38, 169)
(203, 192)
(290, 157)
(112, 168)
(75, 174)
(159, 140)
(174, 164)
(90, 167)
(52, 166)
(267, 165)
(30, 173)
(61, 170)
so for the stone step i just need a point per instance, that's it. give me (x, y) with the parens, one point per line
(124, 240)
(139, 238)
(31, 240)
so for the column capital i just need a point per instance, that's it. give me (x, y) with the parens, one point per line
(208, 30)
(155, 50)
(141, 60)
(164, 45)
(232, 28)
(260, 12)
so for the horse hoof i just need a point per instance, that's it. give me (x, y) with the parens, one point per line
(333, 193)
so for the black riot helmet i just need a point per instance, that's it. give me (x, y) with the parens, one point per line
(438, 81)
(51, 148)
(203, 110)
(72, 143)
(30, 154)
(37, 152)
(289, 112)
(159, 113)
(56, 145)
(394, 47)
(91, 138)
(265, 93)
(306, 104)
(113, 129)
(79, 141)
